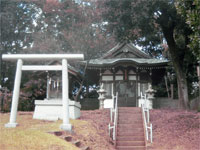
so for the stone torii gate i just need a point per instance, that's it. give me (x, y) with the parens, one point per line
(41, 57)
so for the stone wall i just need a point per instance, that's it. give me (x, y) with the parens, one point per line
(195, 104)
(164, 102)
(89, 104)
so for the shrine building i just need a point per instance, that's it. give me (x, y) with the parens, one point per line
(127, 70)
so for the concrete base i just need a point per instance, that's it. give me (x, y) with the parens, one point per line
(108, 103)
(52, 109)
(11, 125)
(149, 103)
(66, 127)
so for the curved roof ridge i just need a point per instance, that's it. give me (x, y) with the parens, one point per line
(131, 45)
(119, 46)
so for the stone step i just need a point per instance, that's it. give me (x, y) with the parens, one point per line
(131, 126)
(130, 129)
(130, 143)
(129, 108)
(58, 133)
(131, 148)
(129, 115)
(68, 138)
(130, 133)
(129, 118)
(77, 143)
(139, 122)
(131, 138)
(129, 112)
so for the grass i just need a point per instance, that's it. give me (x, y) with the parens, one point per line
(33, 134)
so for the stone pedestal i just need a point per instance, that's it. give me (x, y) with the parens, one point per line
(11, 125)
(66, 127)
(52, 109)
(101, 103)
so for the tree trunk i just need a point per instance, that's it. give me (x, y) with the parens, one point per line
(177, 58)
(181, 81)
(182, 92)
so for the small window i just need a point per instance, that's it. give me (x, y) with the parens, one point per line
(132, 77)
(107, 78)
(118, 77)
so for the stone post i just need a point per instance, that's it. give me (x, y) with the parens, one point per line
(101, 98)
(65, 97)
(15, 97)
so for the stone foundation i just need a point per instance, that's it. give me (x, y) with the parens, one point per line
(52, 110)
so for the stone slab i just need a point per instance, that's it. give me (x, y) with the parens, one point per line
(11, 125)
(52, 110)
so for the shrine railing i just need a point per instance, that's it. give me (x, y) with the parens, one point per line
(147, 124)
(113, 121)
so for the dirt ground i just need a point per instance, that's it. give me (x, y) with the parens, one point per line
(99, 120)
(175, 130)
(172, 130)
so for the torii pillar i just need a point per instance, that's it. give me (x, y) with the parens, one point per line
(15, 98)
(65, 97)
(65, 83)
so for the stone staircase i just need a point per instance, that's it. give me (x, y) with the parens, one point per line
(68, 138)
(130, 129)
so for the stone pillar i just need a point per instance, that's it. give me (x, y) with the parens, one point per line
(65, 97)
(15, 97)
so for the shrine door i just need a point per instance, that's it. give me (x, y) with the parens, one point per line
(127, 93)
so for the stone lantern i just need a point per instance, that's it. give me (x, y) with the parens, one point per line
(150, 96)
(101, 98)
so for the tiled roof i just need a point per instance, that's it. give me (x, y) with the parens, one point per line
(139, 61)
(125, 53)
